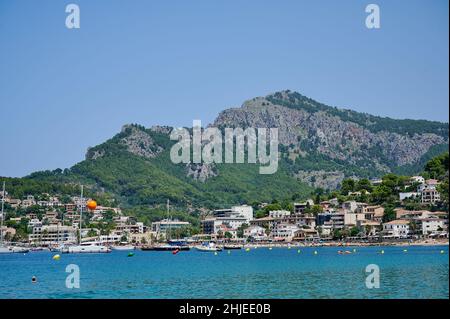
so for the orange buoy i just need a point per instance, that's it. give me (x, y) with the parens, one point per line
(92, 204)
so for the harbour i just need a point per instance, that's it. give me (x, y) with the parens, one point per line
(279, 272)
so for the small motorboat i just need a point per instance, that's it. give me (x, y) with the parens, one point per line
(211, 247)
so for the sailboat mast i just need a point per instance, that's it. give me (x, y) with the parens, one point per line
(81, 213)
(168, 220)
(3, 216)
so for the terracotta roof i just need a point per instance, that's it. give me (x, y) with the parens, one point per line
(398, 222)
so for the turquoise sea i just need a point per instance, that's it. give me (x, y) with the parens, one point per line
(421, 272)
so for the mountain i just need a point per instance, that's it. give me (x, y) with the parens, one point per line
(322, 143)
(319, 146)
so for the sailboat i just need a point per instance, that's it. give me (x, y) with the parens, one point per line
(87, 247)
(168, 246)
(7, 249)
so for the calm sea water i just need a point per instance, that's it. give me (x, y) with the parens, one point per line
(421, 272)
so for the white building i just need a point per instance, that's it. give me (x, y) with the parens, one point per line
(110, 239)
(279, 213)
(52, 234)
(256, 232)
(164, 225)
(284, 231)
(396, 228)
(430, 196)
(428, 226)
(243, 210)
(213, 225)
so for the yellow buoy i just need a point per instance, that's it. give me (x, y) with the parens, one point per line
(289, 247)
(247, 249)
(442, 252)
(382, 252)
(270, 248)
(215, 253)
(229, 252)
(315, 252)
(354, 250)
(405, 250)
(298, 251)
(56, 257)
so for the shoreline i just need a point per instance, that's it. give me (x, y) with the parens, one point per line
(351, 244)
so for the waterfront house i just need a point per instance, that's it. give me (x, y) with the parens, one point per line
(428, 226)
(256, 232)
(305, 234)
(369, 227)
(284, 231)
(398, 228)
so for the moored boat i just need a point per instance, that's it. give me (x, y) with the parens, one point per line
(211, 247)
(227, 247)
(123, 247)
(13, 249)
(164, 248)
(90, 247)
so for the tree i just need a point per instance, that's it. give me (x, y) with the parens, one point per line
(354, 231)
(240, 230)
(348, 185)
(91, 233)
(443, 190)
(389, 214)
(314, 209)
(228, 235)
(364, 184)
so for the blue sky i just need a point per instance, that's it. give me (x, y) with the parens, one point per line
(169, 62)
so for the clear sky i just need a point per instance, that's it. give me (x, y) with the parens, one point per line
(169, 62)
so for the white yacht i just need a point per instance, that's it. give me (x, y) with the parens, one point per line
(88, 247)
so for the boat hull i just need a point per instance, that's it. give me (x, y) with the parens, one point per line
(13, 250)
(165, 248)
(122, 248)
(92, 249)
